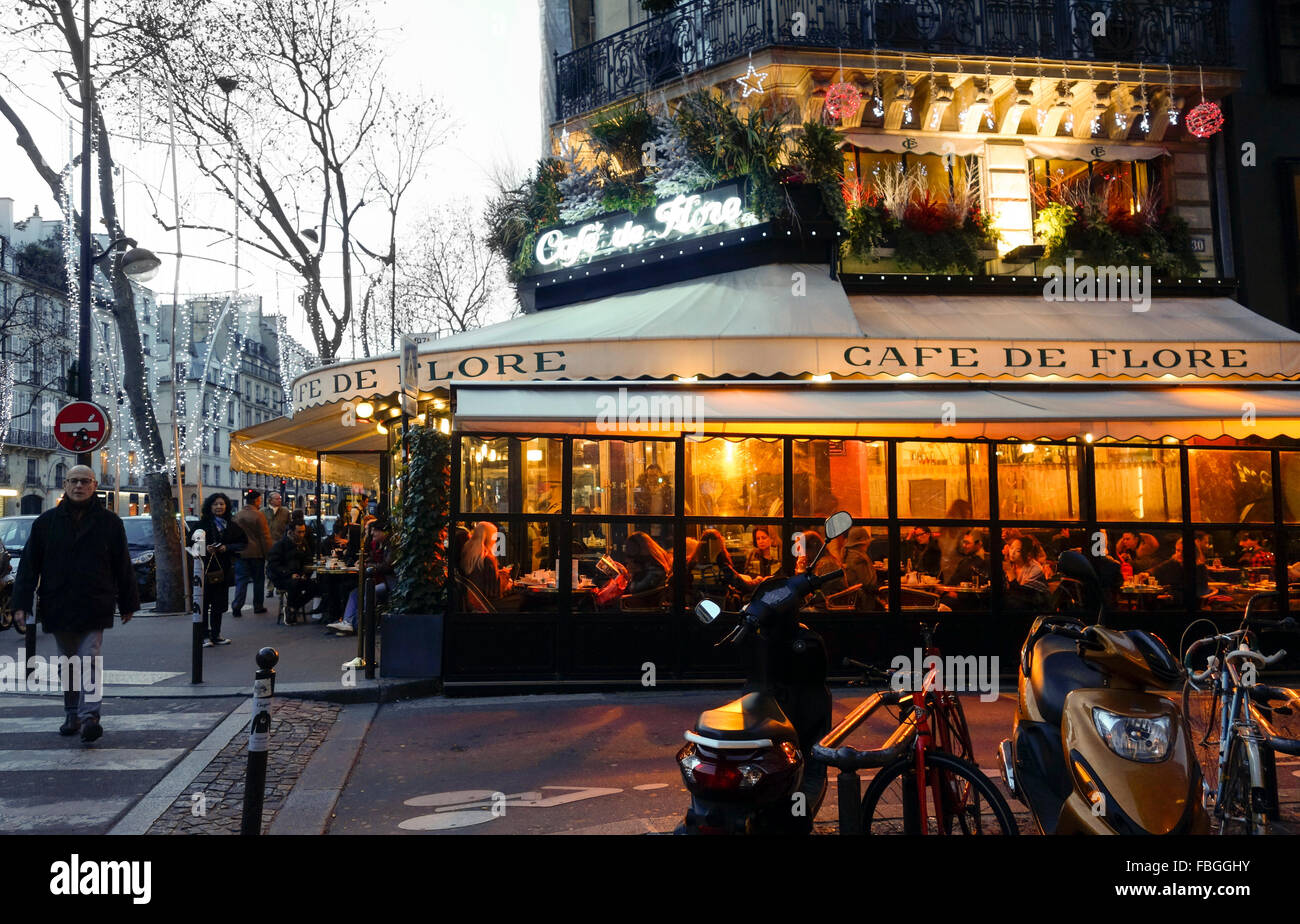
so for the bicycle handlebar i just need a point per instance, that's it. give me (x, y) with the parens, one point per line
(845, 757)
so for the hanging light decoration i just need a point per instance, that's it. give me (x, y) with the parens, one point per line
(1173, 110)
(877, 104)
(843, 100)
(1206, 118)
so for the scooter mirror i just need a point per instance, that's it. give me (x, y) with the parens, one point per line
(706, 611)
(837, 524)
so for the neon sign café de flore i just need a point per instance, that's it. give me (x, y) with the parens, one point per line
(693, 378)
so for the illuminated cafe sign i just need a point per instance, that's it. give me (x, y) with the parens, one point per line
(678, 219)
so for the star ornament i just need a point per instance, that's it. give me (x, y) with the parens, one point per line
(757, 79)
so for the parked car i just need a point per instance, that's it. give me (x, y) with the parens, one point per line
(139, 540)
(14, 532)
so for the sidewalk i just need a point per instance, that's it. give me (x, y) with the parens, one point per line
(151, 656)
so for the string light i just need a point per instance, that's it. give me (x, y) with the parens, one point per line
(877, 105)
(1173, 109)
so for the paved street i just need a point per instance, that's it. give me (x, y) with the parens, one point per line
(55, 785)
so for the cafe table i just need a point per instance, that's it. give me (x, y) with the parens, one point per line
(335, 578)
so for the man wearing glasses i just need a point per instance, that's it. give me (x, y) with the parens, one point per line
(77, 565)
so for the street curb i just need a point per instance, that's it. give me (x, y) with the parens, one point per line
(159, 799)
(310, 803)
(364, 691)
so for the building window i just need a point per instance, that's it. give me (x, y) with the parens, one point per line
(1138, 483)
(1283, 38)
(1038, 482)
(832, 475)
(943, 480)
(1121, 185)
(1233, 486)
(623, 477)
(734, 478)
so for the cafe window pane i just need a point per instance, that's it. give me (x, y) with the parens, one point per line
(943, 480)
(726, 561)
(940, 565)
(1291, 487)
(1037, 481)
(543, 474)
(733, 478)
(1231, 486)
(485, 475)
(1138, 483)
(623, 477)
(831, 475)
(494, 556)
(622, 567)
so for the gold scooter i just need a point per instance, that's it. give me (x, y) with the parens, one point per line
(1094, 750)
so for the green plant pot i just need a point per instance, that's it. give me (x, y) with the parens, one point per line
(411, 645)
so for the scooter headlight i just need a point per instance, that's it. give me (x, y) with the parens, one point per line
(1140, 738)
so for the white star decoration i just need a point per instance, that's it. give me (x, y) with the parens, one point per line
(755, 76)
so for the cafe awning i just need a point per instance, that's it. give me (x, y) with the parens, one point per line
(1011, 411)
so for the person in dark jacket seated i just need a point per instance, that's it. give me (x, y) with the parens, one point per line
(1170, 574)
(974, 561)
(378, 568)
(922, 551)
(289, 563)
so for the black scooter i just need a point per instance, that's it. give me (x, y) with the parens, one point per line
(744, 763)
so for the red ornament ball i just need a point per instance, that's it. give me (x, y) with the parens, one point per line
(1205, 120)
(843, 100)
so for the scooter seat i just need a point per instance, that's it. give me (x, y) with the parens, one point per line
(753, 716)
(1056, 672)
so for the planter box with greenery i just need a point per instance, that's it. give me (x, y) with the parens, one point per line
(413, 629)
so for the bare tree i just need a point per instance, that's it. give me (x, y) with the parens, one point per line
(406, 133)
(275, 100)
(54, 29)
(450, 280)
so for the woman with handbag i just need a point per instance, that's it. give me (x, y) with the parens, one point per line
(216, 570)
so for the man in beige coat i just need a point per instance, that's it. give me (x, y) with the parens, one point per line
(277, 520)
(250, 567)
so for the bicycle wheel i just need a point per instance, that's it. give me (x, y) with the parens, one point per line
(1201, 710)
(971, 803)
(1241, 811)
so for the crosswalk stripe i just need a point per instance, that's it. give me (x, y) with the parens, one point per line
(23, 702)
(81, 758)
(40, 814)
(167, 721)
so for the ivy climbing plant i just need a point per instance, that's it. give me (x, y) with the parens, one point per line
(421, 518)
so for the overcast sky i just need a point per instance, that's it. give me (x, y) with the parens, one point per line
(482, 58)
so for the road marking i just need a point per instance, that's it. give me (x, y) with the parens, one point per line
(463, 808)
(173, 721)
(79, 758)
(646, 787)
(49, 679)
(665, 825)
(32, 815)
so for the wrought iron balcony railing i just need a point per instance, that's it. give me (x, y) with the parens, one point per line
(33, 439)
(700, 34)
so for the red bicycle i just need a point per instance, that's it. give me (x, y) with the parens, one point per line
(927, 781)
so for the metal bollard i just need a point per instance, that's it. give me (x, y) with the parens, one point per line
(259, 739)
(368, 629)
(849, 791)
(29, 643)
(196, 638)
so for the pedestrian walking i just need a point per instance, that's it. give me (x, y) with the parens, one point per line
(250, 566)
(76, 568)
(215, 570)
(277, 521)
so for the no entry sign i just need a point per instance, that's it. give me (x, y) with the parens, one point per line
(82, 427)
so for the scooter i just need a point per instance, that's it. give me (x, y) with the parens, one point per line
(1095, 749)
(745, 763)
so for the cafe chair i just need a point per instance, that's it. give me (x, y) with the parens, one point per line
(844, 600)
(653, 600)
(290, 615)
(474, 600)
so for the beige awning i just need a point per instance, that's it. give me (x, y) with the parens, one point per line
(287, 447)
(1019, 412)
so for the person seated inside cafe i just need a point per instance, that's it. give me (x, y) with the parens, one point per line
(1026, 584)
(973, 561)
(921, 552)
(1141, 550)
(478, 562)
(378, 568)
(826, 561)
(764, 559)
(710, 572)
(643, 580)
(1169, 574)
(1252, 552)
(859, 569)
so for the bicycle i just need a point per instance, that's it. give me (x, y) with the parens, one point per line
(1235, 739)
(932, 744)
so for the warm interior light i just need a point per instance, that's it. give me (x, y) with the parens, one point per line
(492, 455)
(1087, 437)
(444, 425)
(687, 378)
(8, 492)
(1027, 448)
(534, 455)
(381, 428)
(824, 377)
(365, 409)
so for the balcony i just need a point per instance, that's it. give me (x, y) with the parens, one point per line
(702, 34)
(33, 439)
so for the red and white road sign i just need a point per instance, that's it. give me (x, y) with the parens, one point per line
(82, 427)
